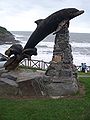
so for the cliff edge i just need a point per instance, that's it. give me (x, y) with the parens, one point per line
(6, 37)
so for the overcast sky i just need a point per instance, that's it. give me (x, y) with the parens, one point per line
(19, 15)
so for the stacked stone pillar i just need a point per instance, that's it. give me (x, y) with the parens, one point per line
(61, 70)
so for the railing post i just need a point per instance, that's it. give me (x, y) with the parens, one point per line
(28, 62)
(44, 65)
(25, 62)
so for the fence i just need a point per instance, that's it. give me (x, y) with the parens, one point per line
(34, 63)
(40, 64)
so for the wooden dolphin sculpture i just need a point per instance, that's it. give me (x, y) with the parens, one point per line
(50, 24)
(44, 28)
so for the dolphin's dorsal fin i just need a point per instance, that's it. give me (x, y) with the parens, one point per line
(39, 21)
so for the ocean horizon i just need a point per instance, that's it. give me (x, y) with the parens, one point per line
(80, 43)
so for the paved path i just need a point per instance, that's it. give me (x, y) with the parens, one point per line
(84, 76)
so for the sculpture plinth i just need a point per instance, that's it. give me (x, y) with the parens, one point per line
(61, 69)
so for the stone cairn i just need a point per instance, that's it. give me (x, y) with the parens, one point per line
(61, 71)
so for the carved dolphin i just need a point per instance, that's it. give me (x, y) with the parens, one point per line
(49, 25)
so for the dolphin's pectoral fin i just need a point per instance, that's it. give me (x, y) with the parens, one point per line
(39, 21)
(60, 25)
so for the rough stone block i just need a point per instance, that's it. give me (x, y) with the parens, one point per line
(65, 73)
(62, 88)
(7, 90)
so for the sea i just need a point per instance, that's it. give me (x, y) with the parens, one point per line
(80, 43)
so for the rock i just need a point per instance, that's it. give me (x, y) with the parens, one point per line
(6, 37)
(22, 83)
(62, 87)
(35, 84)
(9, 82)
(61, 71)
(8, 85)
(7, 90)
(9, 77)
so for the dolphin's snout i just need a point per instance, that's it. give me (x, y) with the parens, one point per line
(81, 12)
(78, 13)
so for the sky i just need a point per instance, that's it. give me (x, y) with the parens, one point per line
(19, 15)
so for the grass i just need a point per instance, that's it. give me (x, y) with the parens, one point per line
(48, 109)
